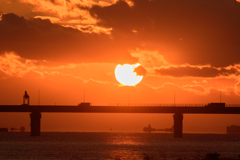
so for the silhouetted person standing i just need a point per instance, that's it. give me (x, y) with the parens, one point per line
(26, 97)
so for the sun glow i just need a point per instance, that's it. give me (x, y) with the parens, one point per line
(126, 75)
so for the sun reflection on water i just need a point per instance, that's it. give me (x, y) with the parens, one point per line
(128, 144)
(125, 140)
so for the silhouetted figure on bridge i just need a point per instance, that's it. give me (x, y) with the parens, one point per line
(26, 97)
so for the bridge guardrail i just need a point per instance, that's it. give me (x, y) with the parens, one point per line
(156, 105)
(166, 105)
(232, 105)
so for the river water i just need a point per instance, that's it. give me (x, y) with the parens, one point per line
(115, 146)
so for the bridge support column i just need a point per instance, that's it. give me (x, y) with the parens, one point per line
(178, 118)
(35, 123)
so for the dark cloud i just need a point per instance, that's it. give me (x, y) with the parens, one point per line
(183, 31)
(140, 71)
(40, 39)
(53, 1)
(13, 20)
(189, 71)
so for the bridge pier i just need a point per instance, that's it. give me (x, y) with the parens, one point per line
(178, 118)
(35, 123)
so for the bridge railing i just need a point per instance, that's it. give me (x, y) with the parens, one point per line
(232, 105)
(156, 105)
(166, 105)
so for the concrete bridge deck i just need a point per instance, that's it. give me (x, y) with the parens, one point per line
(36, 110)
(120, 109)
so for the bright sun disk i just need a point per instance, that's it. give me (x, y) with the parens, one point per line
(126, 76)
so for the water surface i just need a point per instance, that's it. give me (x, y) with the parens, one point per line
(101, 146)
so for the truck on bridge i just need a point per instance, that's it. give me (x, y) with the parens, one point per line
(84, 104)
(215, 105)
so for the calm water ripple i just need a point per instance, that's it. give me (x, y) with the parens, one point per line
(115, 146)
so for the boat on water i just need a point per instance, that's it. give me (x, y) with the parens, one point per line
(22, 129)
(149, 129)
(233, 129)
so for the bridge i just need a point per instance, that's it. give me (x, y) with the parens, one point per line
(178, 111)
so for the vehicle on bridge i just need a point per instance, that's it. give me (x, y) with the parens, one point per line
(85, 104)
(215, 105)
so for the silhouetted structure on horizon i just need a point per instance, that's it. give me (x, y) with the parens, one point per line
(22, 129)
(25, 97)
(3, 130)
(233, 129)
(149, 129)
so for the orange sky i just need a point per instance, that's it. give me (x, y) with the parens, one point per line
(64, 48)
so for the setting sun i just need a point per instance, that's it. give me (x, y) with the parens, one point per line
(126, 75)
